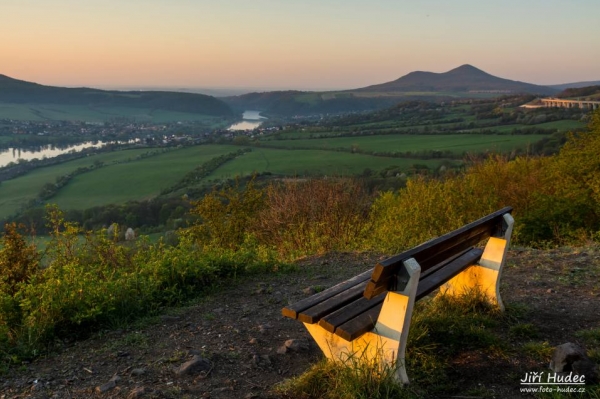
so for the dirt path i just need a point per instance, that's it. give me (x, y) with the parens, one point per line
(235, 334)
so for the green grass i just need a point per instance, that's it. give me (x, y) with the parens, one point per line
(563, 126)
(310, 162)
(49, 112)
(142, 179)
(456, 143)
(442, 328)
(16, 192)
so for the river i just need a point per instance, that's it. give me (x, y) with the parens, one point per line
(251, 120)
(48, 151)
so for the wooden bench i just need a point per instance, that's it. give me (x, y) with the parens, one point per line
(370, 314)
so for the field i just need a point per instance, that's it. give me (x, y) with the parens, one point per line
(310, 162)
(15, 192)
(36, 112)
(457, 144)
(145, 178)
(142, 179)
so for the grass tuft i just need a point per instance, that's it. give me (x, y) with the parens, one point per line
(354, 378)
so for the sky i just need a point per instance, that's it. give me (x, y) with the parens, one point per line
(285, 44)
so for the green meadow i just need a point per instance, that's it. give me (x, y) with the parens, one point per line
(15, 192)
(456, 143)
(310, 162)
(145, 178)
(142, 179)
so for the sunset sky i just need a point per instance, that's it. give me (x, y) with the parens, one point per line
(308, 44)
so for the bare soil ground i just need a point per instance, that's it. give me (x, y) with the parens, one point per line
(239, 329)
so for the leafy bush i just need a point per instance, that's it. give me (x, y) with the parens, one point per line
(91, 280)
(226, 216)
(313, 216)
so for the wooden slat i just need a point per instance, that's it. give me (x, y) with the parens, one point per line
(436, 246)
(348, 312)
(440, 265)
(389, 283)
(314, 313)
(374, 288)
(433, 251)
(456, 249)
(359, 325)
(443, 242)
(362, 323)
(444, 274)
(294, 309)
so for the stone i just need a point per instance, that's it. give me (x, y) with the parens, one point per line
(129, 234)
(106, 387)
(297, 345)
(282, 350)
(309, 291)
(253, 341)
(196, 365)
(569, 357)
(138, 372)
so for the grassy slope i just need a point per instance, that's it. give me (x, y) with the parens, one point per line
(308, 162)
(458, 144)
(37, 112)
(15, 192)
(142, 179)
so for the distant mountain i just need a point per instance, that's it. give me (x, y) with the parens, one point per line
(576, 85)
(463, 82)
(21, 92)
(466, 79)
(590, 92)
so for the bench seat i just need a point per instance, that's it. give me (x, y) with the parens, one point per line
(344, 310)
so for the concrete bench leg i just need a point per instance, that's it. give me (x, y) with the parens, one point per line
(386, 344)
(484, 276)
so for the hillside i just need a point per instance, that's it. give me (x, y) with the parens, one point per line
(13, 91)
(463, 82)
(588, 92)
(465, 78)
(238, 329)
(576, 85)
(292, 103)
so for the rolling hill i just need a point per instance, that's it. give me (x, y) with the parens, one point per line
(465, 78)
(576, 85)
(14, 91)
(463, 82)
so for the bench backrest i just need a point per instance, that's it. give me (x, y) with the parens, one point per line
(433, 252)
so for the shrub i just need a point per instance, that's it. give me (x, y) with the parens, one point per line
(225, 216)
(313, 216)
(92, 280)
